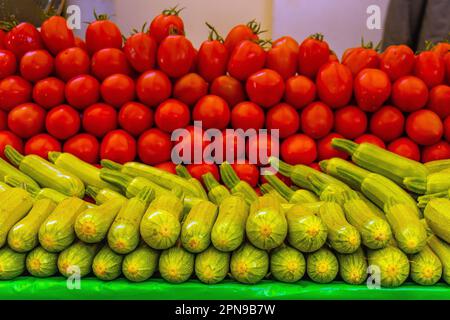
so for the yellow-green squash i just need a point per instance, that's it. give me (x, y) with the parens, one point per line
(176, 265)
(249, 264)
(140, 264)
(12, 264)
(287, 264)
(322, 266)
(41, 263)
(107, 264)
(212, 265)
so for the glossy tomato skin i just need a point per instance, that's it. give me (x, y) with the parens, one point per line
(23, 38)
(3, 120)
(299, 149)
(247, 172)
(99, 119)
(9, 138)
(372, 89)
(361, 58)
(84, 146)
(409, 94)
(213, 111)
(397, 61)
(234, 146)
(447, 128)
(36, 65)
(117, 89)
(175, 56)
(238, 34)
(56, 35)
(164, 25)
(82, 91)
(439, 100)
(2, 38)
(62, 122)
(334, 84)
(447, 67)
(388, 123)
(118, 146)
(198, 170)
(171, 115)
(299, 91)
(247, 115)
(109, 61)
(41, 145)
(442, 48)
(14, 90)
(325, 149)
(8, 63)
(190, 88)
(265, 88)
(313, 54)
(79, 43)
(350, 122)
(370, 138)
(140, 50)
(229, 89)
(405, 147)
(154, 146)
(288, 41)
(424, 127)
(317, 120)
(135, 118)
(282, 59)
(167, 166)
(438, 151)
(247, 58)
(212, 60)
(26, 120)
(49, 92)
(72, 62)
(192, 139)
(261, 146)
(284, 118)
(430, 68)
(153, 87)
(102, 34)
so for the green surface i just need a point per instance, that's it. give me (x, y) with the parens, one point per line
(157, 289)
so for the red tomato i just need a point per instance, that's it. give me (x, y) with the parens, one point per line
(334, 84)
(167, 23)
(439, 100)
(14, 90)
(447, 66)
(265, 88)
(409, 94)
(241, 33)
(438, 151)
(283, 60)
(313, 54)
(2, 38)
(406, 148)
(118, 146)
(23, 38)
(234, 146)
(72, 62)
(213, 111)
(79, 43)
(387, 123)
(175, 56)
(290, 42)
(247, 115)
(261, 146)
(62, 122)
(49, 92)
(357, 59)
(350, 122)
(441, 48)
(229, 89)
(247, 172)
(198, 170)
(167, 166)
(372, 89)
(3, 120)
(99, 119)
(140, 50)
(299, 149)
(56, 35)
(109, 61)
(430, 68)
(117, 89)
(317, 120)
(247, 58)
(36, 65)
(447, 128)
(135, 118)
(284, 118)
(102, 34)
(300, 91)
(8, 63)
(26, 120)
(82, 91)
(370, 138)
(9, 138)
(154, 146)
(212, 60)
(171, 115)
(397, 61)
(326, 151)
(41, 145)
(153, 87)
(190, 88)
(424, 127)
(84, 146)
(193, 140)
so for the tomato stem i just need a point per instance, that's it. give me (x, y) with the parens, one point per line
(255, 27)
(213, 34)
(317, 36)
(10, 24)
(100, 17)
(174, 11)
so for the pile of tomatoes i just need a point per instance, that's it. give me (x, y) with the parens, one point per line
(106, 97)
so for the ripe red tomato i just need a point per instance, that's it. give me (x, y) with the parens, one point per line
(261, 146)
(438, 151)
(8, 63)
(247, 172)
(326, 151)
(3, 120)
(82, 91)
(265, 88)
(350, 122)
(56, 35)
(299, 149)
(9, 138)
(247, 115)
(79, 43)
(41, 145)
(117, 89)
(72, 62)
(140, 50)
(193, 140)
(313, 54)
(84, 146)
(247, 58)
(372, 89)
(14, 90)
(241, 33)
(397, 61)
(441, 48)
(167, 23)
(190, 88)
(409, 94)
(154, 146)
(118, 146)
(175, 56)
(284, 118)
(300, 91)
(233, 146)
(2, 38)
(288, 41)
(102, 34)
(229, 89)
(213, 111)
(212, 59)
(99, 119)
(283, 60)
(317, 120)
(62, 122)
(135, 118)
(23, 38)
(26, 120)
(198, 170)
(153, 87)
(439, 100)
(387, 123)
(357, 59)
(167, 166)
(430, 68)
(370, 138)
(36, 65)
(109, 61)
(424, 127)
(447, 66)
(447, 128)
(406, 148)
(171, 115)
(334, 84)
(49, 92)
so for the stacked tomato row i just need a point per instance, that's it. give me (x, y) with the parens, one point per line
(105, 98)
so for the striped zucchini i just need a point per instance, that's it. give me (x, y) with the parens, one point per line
(322, 266)
(353, 267)
(140, 264)
(12, 264)
(268, 189)
(107, 265)
(433, 183)
(294, 197)
(438, 165)
(101, 196)
(236, 185)
(249, 264)
(176, 265)
(77, 259)
(216, 192)
(437, 215)
(287, 264)
(7, 169)
(183, 173)
(392, 263)
(426, 268)
(41, 263)
(212, 265)
(442, 250)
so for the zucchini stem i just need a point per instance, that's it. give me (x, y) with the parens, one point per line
(183, 172)
(146, 195)
(345, 145)
(280, 186)
(92, 191)
(416, 185)
(285, 169)
(115, 178)
(111, 165)
(16, 183)
(266, 188)
(209, 181)
(229, 176)
(13, 155)
(347, 176)
(53, 156)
